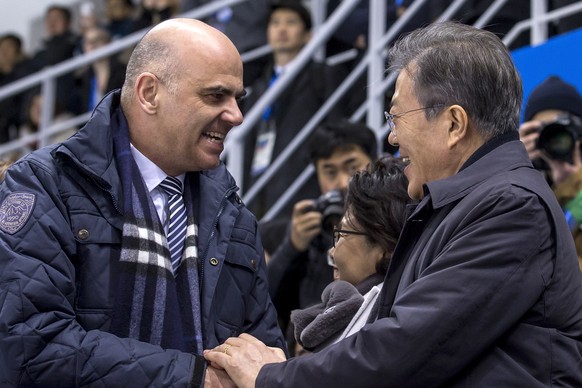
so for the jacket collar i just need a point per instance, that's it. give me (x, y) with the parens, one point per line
(91, 148)
(502, 153)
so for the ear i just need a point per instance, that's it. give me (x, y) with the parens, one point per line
(307, 37)
(146, 90)
(459, 125)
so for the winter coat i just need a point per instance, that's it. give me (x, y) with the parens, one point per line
(483, 290)
(57, 251)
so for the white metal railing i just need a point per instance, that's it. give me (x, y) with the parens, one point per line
(538, 19)
(47, 77)
(373, 61)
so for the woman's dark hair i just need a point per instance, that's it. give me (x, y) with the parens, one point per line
(377, 199)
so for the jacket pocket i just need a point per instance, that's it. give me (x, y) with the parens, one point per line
(93, 229)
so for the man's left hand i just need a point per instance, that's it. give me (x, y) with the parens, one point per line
(243, 357)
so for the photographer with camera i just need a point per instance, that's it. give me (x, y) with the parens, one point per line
(551, 132)
(298, 270)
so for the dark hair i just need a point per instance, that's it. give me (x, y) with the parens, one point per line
(453, 63)
(63, 10)
(343, 135)
(295, 6)
(14, 38)
(377, 199)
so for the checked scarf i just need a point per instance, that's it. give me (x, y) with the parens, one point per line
(151, 304)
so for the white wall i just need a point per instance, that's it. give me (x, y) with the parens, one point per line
(24, 17)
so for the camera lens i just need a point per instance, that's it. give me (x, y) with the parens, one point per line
(557, 141)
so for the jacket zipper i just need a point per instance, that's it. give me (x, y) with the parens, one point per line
(115, 205)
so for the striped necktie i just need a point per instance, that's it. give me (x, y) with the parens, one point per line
(177, 229)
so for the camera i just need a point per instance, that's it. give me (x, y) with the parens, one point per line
(558, 138)
(331, 206)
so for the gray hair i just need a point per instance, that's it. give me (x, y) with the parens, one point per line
(453, 63)
(155, 56)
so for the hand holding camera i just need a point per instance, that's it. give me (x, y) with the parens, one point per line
(305, 224)
(311, 217)
(556, 142)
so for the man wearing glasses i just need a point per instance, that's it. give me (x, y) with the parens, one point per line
(483, 288)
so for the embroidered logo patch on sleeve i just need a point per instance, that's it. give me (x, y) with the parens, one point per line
(15, 211)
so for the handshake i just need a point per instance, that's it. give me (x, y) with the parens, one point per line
(237, 362)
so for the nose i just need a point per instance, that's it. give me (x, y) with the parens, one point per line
(233, 115)
(343, 180)
(392, 139)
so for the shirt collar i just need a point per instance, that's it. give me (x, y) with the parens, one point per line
(150, 172)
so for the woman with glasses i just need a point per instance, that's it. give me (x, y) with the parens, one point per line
(363, 244)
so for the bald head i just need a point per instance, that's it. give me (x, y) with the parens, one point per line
(166, 51)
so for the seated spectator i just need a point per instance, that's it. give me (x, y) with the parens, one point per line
(288, 30)
(32, 124)
(14, 64)
(556, 106)
(120, 16)
(298, 269)
(272, 235)
(152, 12)
(60, 41)
(245, 24)
(60, 44)
(363, 244)
(102, 75)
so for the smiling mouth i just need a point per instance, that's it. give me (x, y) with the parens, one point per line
(406, 159)
(214, 137)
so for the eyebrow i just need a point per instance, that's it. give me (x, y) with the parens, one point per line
(224, 90)
(343, 163)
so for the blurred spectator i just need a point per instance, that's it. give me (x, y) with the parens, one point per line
(32, 124)
(60, 44)
(272, 235)
(245, 24)
(298, 269)
(101, 76)
(353, 32)
(120, 16)
(363, 244)
(289, 29)
(60, 41)
(14, 64)
(152, 12)
(551, 133)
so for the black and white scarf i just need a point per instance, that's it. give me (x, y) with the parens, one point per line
(151, 304)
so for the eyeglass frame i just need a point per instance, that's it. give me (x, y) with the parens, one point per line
(390, 117)
(338, 232)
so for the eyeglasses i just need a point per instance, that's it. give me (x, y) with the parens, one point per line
(338, 233)
(390, 118)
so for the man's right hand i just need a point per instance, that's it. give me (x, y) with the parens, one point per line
(305, 224)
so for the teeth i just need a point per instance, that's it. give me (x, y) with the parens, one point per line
(215, 137)
(215, 134)
(406, 160)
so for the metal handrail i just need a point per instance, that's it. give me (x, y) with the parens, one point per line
(234, 146)
(47, 76)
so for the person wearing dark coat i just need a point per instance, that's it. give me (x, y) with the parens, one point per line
(483, 288)
(101, 76)
(289, 29)
(125, 250)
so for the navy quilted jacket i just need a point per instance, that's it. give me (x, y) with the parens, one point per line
(61, 227)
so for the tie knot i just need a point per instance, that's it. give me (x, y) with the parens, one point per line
(172, 186)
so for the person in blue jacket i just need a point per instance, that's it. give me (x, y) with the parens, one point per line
(88, 292)
(483, 288)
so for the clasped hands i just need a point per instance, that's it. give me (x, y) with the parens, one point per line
(242, 358)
